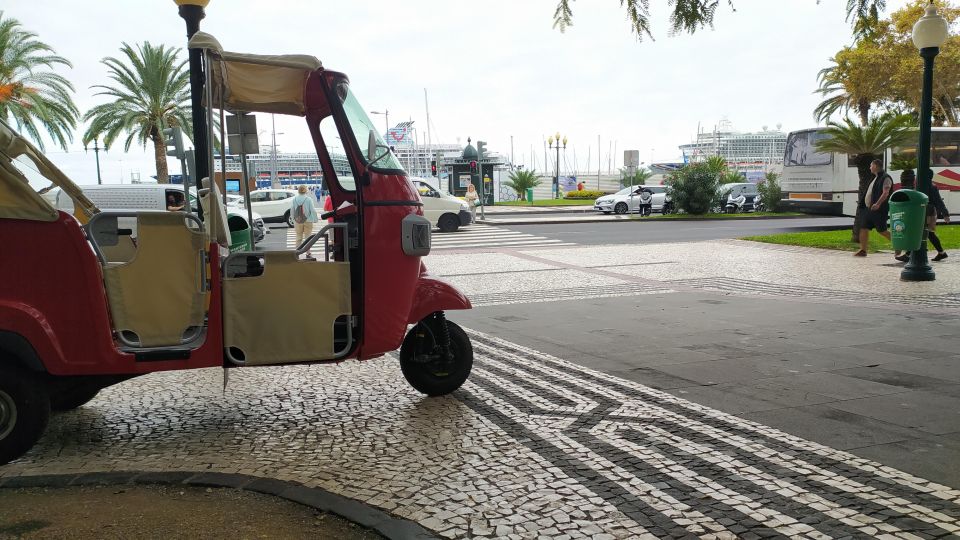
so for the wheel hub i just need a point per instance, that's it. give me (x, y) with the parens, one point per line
(8, 414)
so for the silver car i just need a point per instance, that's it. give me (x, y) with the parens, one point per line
(627, 200)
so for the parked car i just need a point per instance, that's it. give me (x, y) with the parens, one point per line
(446, 212)
(273, 204)
(236, 204)
(628, 200)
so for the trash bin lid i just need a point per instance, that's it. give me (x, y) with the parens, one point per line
(908, 196)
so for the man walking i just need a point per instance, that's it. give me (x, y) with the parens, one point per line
(876, 206)
(304, 216)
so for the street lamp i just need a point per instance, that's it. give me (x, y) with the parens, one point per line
(192, 12)
(929, 33)
(386, 119)
(556, 179)
(96, 152)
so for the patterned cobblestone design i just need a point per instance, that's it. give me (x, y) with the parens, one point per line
(531, 447)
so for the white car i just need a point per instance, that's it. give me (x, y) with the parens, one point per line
(235, 204)
(628, 200)
(446, 212)
(273, 204)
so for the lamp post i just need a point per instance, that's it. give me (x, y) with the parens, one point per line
(556, 178)
(929, 33)
(386, 119)
(192, 12)
(96, 152)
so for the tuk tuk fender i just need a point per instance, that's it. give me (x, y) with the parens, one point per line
(432, 295)
(26, 330)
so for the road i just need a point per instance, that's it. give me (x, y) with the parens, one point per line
(612, 232)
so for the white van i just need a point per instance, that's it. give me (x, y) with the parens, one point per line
(446, 212)
(143, 197)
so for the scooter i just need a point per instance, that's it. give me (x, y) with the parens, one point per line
(736, 205)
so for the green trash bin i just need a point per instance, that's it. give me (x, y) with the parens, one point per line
(239, 232)
(529, 194)
(908, 212)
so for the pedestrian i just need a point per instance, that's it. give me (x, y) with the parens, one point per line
(472, 197)
(304, 216)
(936, 209)
(580, 186)
(875, 207)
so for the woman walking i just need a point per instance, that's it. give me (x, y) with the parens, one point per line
(472, 197)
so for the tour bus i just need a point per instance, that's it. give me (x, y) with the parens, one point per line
(827, 183)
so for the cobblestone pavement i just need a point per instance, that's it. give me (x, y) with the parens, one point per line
(533, 446)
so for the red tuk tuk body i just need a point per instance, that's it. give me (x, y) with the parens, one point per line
(67, 309)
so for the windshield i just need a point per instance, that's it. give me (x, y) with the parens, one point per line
(361, 125)
(801, 150)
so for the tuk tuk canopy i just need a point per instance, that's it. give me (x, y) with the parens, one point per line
(18, 199)
(254, 82)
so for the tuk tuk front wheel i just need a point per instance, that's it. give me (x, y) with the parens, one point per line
(24, 412)
(427, 366)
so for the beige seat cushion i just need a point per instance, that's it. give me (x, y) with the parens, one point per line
(287, 313)
(157, 294)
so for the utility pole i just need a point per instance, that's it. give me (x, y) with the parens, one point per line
(96, 153)
(599, 165)
(511, 152)
(274, 182)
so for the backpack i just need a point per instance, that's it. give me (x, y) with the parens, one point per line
(300, 216)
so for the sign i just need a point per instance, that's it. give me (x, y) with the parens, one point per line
(464, 180)
(631, 158)
(242, 134)
(568, 183)
(400, 135)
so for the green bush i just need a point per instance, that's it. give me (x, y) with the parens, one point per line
(693, 189)
(770, 193)
(584, 194)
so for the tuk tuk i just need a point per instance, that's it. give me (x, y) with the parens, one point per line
(87, 301)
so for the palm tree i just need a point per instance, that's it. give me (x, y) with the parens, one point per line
(837, 98)
(866, 143)
(639, 177)
(152, 93)
(520, 181)
(32, 95)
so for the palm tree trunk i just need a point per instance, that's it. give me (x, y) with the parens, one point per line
(160, 155)
(863, 108)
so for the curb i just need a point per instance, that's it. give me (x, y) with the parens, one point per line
(352, 510)
(608, 219)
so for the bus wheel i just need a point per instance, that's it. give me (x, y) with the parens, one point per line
(24, 412)
(428, 366)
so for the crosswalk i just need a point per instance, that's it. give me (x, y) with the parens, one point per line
(479, 236)
(473, 237)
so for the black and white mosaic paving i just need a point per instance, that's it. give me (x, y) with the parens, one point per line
(532, 447)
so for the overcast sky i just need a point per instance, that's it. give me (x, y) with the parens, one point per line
(492, 69)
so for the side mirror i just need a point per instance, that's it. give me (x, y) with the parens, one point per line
(371, 146)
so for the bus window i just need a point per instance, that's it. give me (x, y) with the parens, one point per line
(801, 150)
(945, 148)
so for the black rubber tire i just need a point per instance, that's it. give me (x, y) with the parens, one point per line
(73, 398)
(448, 223)
(288, 219)
(24, 411)
(421, 339)
(620, 208)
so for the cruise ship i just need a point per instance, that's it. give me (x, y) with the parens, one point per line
(752, 154)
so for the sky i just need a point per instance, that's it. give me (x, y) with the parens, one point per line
(493, 70)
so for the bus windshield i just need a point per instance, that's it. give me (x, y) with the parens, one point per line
(802, 152)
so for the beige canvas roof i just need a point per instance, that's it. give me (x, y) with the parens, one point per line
(256, 83)
(18, 200)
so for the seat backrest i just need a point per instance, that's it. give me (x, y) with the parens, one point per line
(216, 224)
(160, 293)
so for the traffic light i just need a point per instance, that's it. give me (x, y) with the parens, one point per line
(481, 148)
(473, 166)
(173, 139)
(433, 167)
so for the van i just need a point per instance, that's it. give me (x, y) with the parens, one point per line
(149, 197)
(445, 212)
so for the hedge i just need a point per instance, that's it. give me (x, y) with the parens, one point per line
(585, 194)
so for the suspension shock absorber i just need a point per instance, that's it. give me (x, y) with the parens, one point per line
(444, 335)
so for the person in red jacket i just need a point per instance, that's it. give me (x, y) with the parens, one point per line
(328, 206)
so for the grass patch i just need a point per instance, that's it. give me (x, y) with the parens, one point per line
(550, 202)
(840, 240)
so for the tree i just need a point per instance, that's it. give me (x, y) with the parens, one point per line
(639, 177)
(522, 180)
(866, 143)
(693, 189)
(771, 196)
(151, 93)
(33, 96)
(692, 15)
